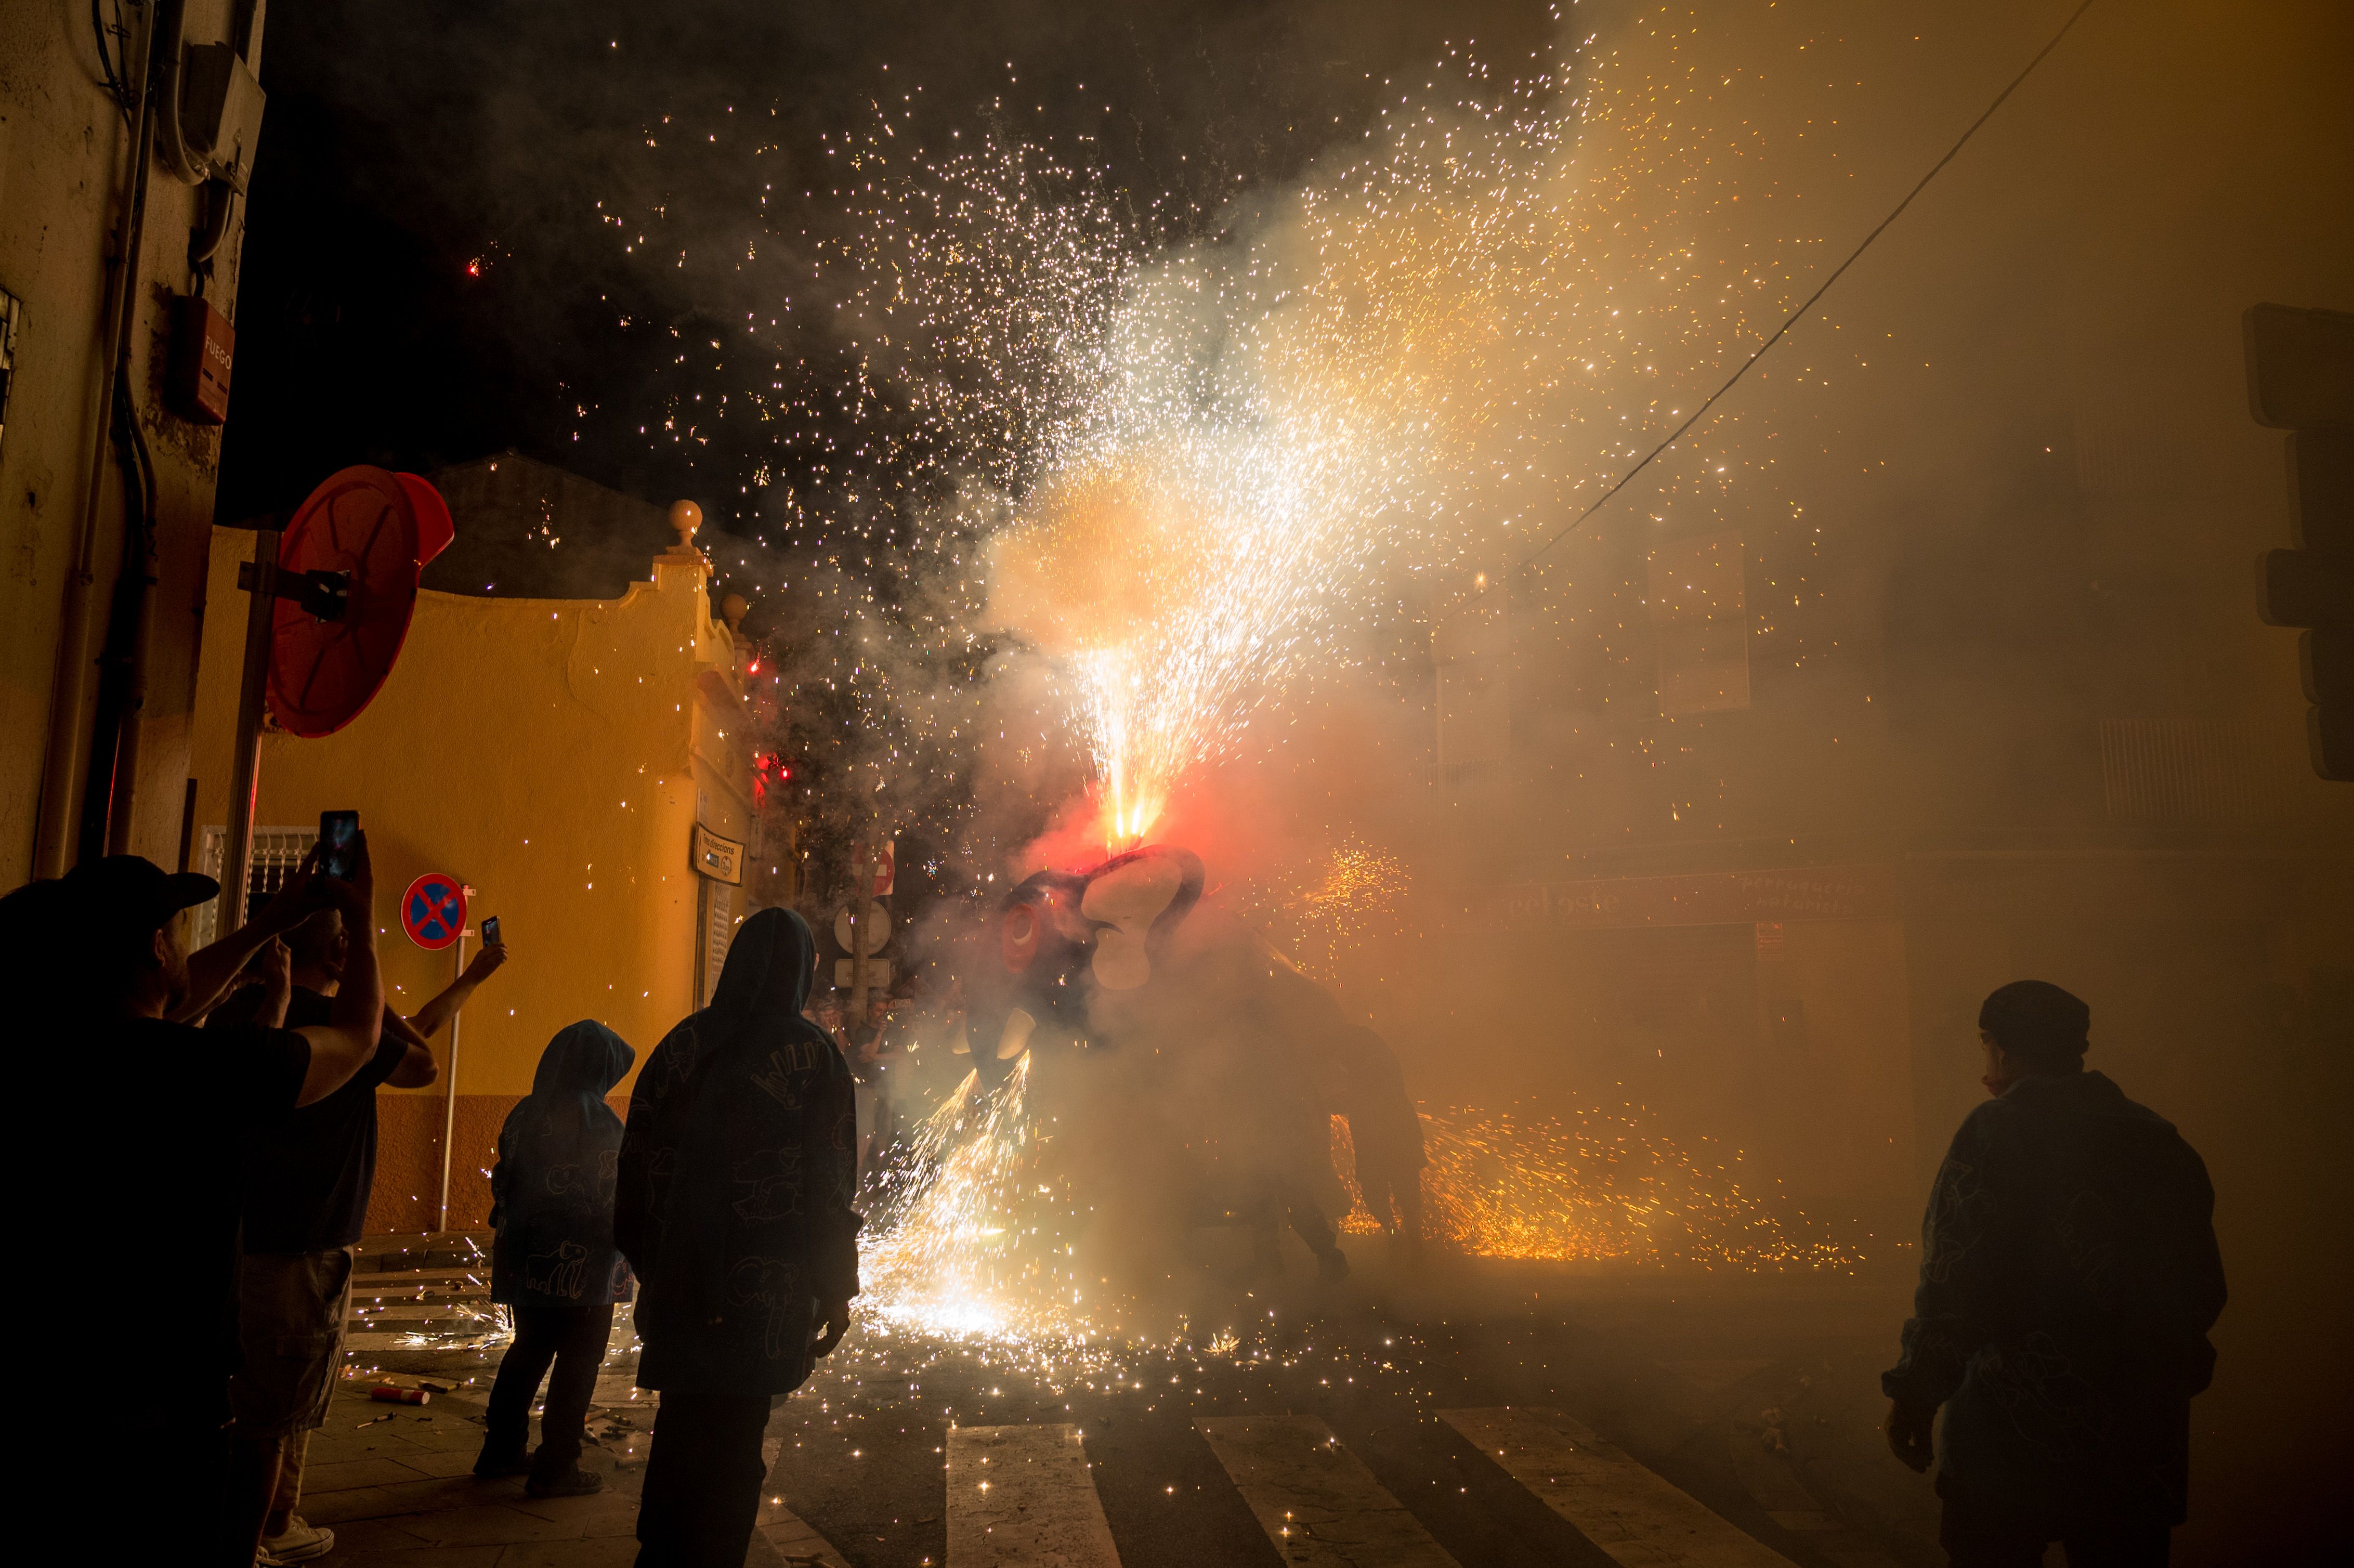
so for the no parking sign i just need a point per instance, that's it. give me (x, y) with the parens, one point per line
(433, 910)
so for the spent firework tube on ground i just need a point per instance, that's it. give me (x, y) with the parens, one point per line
(389, 1393)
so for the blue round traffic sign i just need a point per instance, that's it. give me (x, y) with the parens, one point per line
(433, 910)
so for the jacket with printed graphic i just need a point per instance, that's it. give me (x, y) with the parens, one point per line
(737, 1174)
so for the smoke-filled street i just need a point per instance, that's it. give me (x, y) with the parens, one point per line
(1507, 1413)
(1018, 785)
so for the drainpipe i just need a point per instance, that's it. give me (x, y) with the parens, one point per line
(142, 564)
(71, 698)
(122, 691)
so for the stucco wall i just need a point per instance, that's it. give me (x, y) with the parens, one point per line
(63, 152)
(553, 754)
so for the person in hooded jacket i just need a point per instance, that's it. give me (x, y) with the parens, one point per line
(554, 1262)
(736, 1175)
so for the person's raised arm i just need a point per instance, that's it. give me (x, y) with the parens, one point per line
(342, 1044)
(213, 969)
(418, 1068)
(428, 1020)
(277, 985)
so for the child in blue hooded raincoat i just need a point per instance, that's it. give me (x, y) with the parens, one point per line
(554, 1263)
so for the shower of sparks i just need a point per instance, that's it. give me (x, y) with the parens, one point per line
(974, 1241)
(1320, 911)
(1595, 1188)
(968, 1243)
(1211, 458)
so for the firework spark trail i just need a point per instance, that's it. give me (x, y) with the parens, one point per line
(1595, 1187)
(1319, 910)
(1214, 450)
(968, 1243)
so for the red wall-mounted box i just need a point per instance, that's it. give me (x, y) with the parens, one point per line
(196, 381)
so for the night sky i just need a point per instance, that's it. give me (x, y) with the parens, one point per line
(429, 276)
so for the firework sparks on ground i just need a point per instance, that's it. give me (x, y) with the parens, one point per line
(968, 1243)
(1595, 1187)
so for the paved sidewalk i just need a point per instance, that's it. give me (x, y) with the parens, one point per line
(395, 1482)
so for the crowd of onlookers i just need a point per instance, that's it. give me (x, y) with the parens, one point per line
(228, 1160)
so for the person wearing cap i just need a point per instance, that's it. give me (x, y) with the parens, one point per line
(2068, 1276)
(153, 1203)
(306, 1198)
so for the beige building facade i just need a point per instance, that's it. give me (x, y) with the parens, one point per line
(75, 188)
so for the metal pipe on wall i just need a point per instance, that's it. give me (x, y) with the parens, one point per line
(123, 694)
(71, 698)
(245, 761)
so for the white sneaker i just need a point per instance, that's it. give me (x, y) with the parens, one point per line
(301, 1542)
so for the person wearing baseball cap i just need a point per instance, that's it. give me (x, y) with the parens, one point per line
(171, 1109)
(2068, 1276)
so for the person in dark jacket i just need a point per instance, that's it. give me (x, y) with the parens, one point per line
(2069, 1275)
(736, 1175)
(554, 1263)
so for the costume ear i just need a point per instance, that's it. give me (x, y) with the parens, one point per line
(1133, 901)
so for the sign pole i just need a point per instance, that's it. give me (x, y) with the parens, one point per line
(261, 612)
(862, 885)
(450, 1095)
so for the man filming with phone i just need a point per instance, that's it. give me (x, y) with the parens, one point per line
(306, 1199)
(165, 1113)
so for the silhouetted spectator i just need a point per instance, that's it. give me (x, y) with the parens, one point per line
(2069, 1275)
(158, 1190)
(554, 1261)
(307, 1183)
(734, 1208)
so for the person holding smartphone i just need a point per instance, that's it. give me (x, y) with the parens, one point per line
(306, 1198)
(165, 1113)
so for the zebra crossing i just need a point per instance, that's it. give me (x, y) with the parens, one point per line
(1316, 1501)
(1635, 1515)
(1025, 1496)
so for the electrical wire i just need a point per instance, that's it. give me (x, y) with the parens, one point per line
(116, 86)
(1570, 527)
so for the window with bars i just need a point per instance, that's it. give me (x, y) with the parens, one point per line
(277, 852)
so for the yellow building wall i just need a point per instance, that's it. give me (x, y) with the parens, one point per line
(552, 754)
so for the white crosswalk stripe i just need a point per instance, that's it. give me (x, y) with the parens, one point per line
(1024, 1496)
(1638, 1516)
(1316, 1501)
